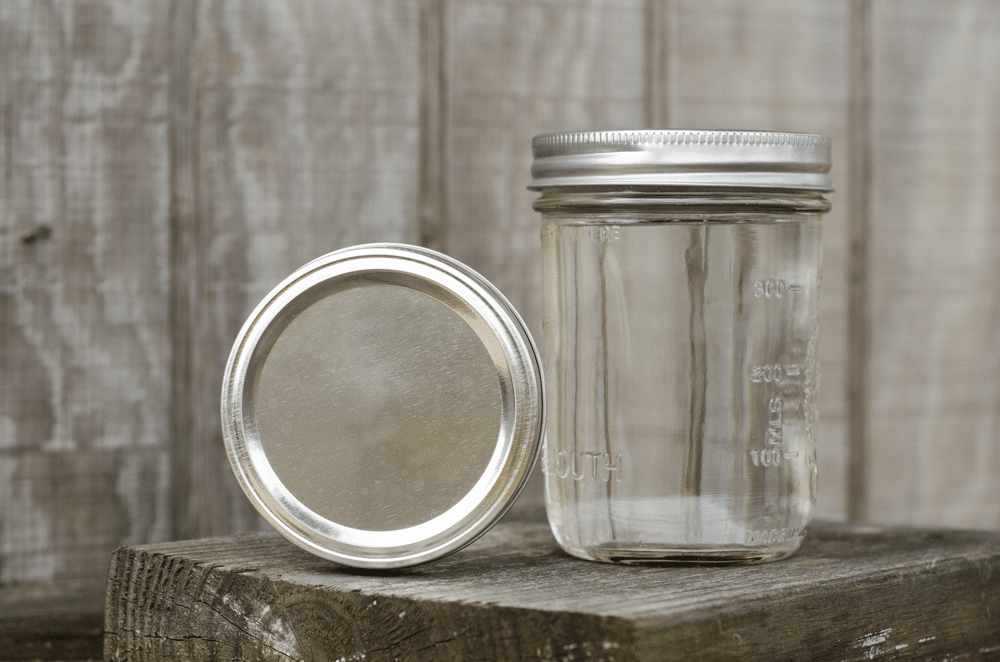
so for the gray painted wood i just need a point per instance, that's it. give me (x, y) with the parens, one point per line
(84, 283)
(848, 594)
(858, 163)
(934, 264)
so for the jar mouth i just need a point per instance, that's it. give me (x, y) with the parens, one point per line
(658, 201)
(675, 158)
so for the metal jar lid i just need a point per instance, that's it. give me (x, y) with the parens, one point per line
(682, 159)
(382, 407)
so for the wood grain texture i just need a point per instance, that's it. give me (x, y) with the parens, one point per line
(935, 264)
(69, 628)
(848, 594)
(780, 65)
(85, 352)
(859, 221)
(307, 140)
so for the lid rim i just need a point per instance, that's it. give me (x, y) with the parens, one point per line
(563, 141)
(495, 489)
(752, 159)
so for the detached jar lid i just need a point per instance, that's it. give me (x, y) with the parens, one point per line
(382, 407)
(684, 159)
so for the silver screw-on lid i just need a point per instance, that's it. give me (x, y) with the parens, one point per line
(682, 159)
(382, 406)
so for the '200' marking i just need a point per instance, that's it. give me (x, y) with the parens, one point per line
(767, 373)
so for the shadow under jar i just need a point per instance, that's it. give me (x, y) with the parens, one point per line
(682, 322)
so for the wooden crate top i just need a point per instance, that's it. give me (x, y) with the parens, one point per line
(850, 593)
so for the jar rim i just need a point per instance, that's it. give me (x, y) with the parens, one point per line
(682, 158)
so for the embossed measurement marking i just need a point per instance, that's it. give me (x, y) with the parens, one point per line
(769, 457)
(784, 380)
(773, 453)
(766, 373)
(769, 288)
(773, 288)
(775, 407)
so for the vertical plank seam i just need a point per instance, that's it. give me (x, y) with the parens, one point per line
(658, 59)
(859, 162)
(183, 266)
(433, 193)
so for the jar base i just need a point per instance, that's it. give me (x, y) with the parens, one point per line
(649, 555)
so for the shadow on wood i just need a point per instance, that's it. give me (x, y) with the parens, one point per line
(52, 628)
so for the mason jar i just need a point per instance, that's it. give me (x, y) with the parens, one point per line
(682, 325)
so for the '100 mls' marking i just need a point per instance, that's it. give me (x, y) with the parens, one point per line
(772, 454)
(585, 464)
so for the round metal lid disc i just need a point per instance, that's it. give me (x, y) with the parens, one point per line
(382, 407)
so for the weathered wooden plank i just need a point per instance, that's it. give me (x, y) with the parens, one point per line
(859, 221)
(307, 140)
(780, 65)
(934, 261)
(67, 628)
(84, 339)
(848, 594)
(512, 70)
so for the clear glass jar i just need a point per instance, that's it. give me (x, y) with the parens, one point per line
(682, 276)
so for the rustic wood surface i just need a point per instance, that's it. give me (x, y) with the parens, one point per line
(850, 593)
(859, 220)
(84, 333)
(934, 264)
(163, 164)
(43, 628)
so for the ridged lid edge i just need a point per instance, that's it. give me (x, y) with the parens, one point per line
(548, 144)
(755, 159)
